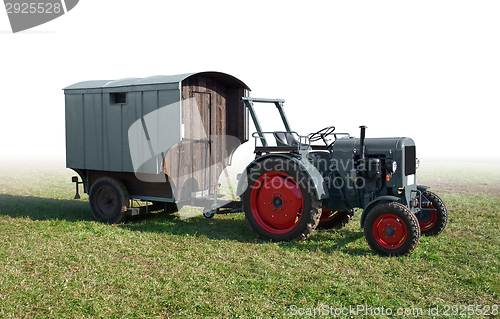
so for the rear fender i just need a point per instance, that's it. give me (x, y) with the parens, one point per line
(312, 172)
(375, 202)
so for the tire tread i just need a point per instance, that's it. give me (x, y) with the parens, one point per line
(314, 212)
(442, 214)
(412, 226)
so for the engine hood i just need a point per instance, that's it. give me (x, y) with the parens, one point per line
(373, 146)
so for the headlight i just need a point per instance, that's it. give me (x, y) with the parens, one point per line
(417, 163)
(391, 166)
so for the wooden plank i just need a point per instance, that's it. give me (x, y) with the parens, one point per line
(216, 133)
(223, 130)
(178, 160)
(200, 145)
(206, 150)
(214, 149)
(185, 174)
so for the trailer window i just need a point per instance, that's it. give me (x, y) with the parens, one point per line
(119, 98)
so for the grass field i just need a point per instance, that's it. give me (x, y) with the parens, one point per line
(57, 262)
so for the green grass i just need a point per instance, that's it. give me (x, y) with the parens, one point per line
(56, 261)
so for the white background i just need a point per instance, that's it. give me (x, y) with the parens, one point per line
(429, 70)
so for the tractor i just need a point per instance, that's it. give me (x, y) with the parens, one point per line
(299, 183)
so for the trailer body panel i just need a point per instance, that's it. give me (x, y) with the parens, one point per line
(176, 125)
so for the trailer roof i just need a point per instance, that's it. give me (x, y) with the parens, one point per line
(227, 79)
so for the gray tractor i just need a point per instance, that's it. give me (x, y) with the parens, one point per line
(298, 183)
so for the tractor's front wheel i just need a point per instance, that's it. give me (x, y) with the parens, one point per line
(280, 203)
(392, 229)
(434, 215)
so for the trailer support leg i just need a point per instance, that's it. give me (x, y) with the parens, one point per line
(74, 179)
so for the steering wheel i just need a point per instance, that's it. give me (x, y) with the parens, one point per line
(321, 134)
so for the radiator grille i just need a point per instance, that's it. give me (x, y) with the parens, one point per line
(410, 160)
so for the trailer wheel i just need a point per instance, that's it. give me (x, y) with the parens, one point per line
(433, 221)
(392, 229)
(280, 203)
(209, 212)
(109, 200)
(335, 219)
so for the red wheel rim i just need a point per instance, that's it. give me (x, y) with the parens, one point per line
(327, 214)
(276, 202)
(390, 231)
(429, 218)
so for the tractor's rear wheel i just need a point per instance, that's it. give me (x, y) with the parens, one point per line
(434, 217)
(280, 203)
(109, 200)
(335, 219)
(392, 229)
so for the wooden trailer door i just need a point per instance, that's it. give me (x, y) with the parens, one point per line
(202, 154)
(193, 167)
(188, 163)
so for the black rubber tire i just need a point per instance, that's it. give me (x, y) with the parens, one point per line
(411, 236)
(309, 213)
(208, 212)
(342, 218)
(442, 214)
(109, 200)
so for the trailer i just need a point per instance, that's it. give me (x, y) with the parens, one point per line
(164, 140)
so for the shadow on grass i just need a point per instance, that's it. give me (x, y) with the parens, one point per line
(37, 208)
(328, 241)
(226, 227)
(233, 227)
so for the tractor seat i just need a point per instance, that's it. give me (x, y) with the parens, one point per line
(285, 139)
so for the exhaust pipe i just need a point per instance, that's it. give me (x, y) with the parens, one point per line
(362, 141)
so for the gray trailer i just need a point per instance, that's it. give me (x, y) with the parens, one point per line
(161, 139)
